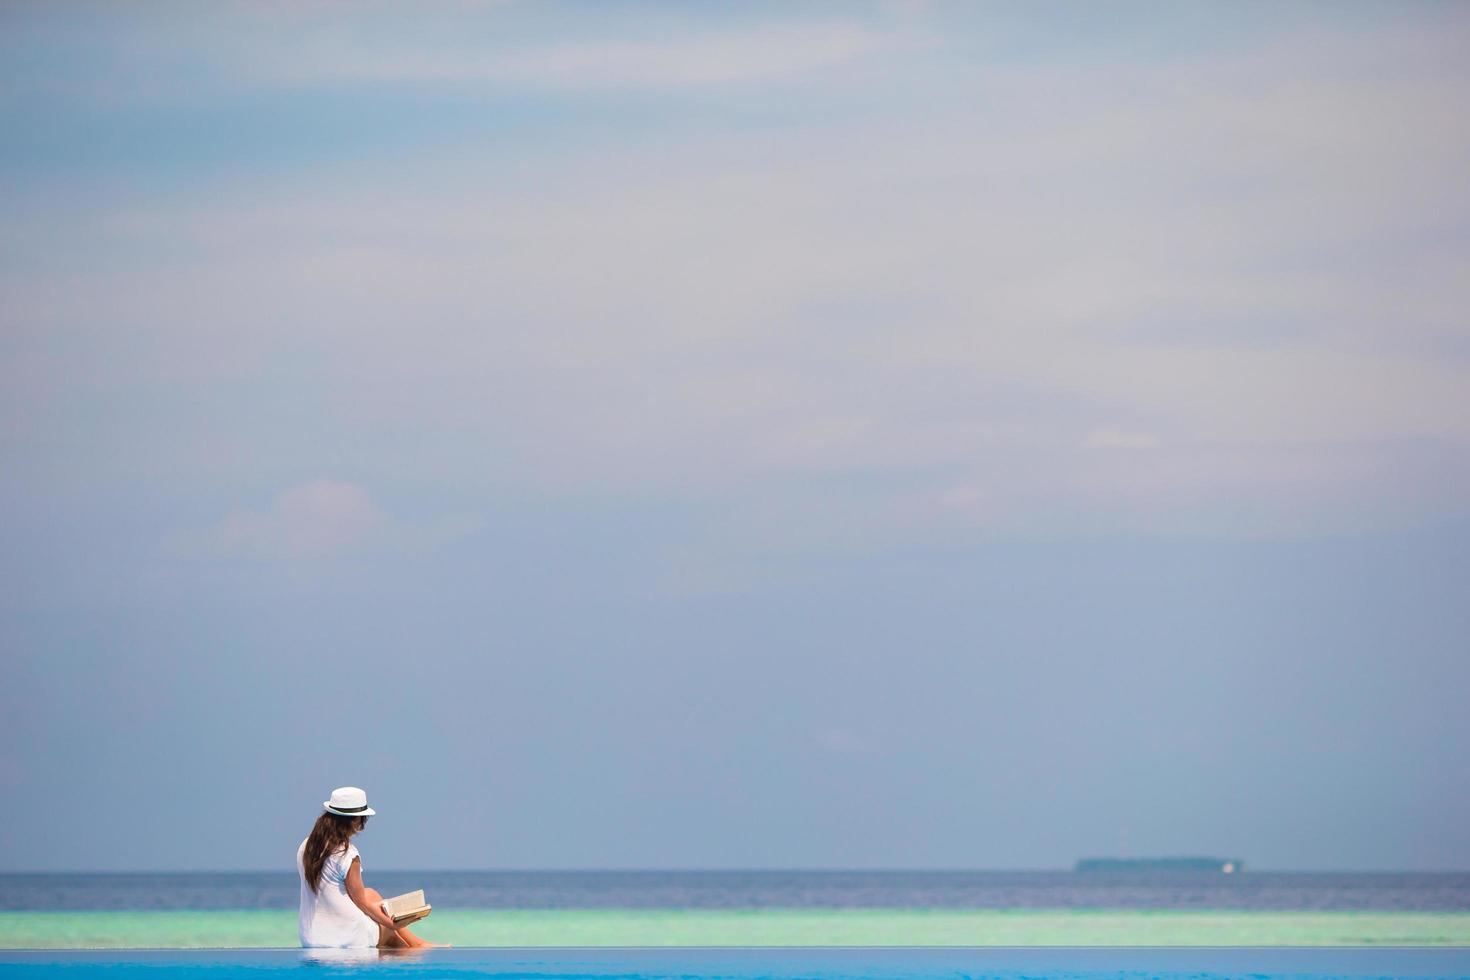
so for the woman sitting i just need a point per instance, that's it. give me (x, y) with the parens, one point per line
(337, 909)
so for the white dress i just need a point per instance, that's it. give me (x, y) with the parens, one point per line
(329, 917)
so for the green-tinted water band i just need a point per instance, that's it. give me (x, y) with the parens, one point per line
(764, 927)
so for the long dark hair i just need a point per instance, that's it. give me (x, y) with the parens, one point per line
(329, 835)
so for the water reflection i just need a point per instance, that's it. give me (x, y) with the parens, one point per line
(357, 957)
(339, 957)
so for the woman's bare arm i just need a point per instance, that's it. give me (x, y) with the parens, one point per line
(358, 892)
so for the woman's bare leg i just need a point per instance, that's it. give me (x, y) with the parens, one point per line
(418, 943)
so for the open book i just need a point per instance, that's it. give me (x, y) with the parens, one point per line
(407, 908)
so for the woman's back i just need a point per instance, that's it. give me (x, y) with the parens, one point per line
(329, 917)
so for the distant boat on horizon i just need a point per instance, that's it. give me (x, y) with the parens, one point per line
(1221, 865)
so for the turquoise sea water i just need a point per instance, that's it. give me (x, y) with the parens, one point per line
(776, 909)
(763, 927)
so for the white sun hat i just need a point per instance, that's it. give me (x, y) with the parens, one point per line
(349, 801)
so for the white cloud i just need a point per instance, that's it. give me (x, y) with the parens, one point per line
(745, 56)
(319, 519)
(313, 520)
(846, 742)
(1119, 439)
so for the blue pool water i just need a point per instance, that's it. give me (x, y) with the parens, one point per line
(743, 964)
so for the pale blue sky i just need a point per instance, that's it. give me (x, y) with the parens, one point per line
(824, 435)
